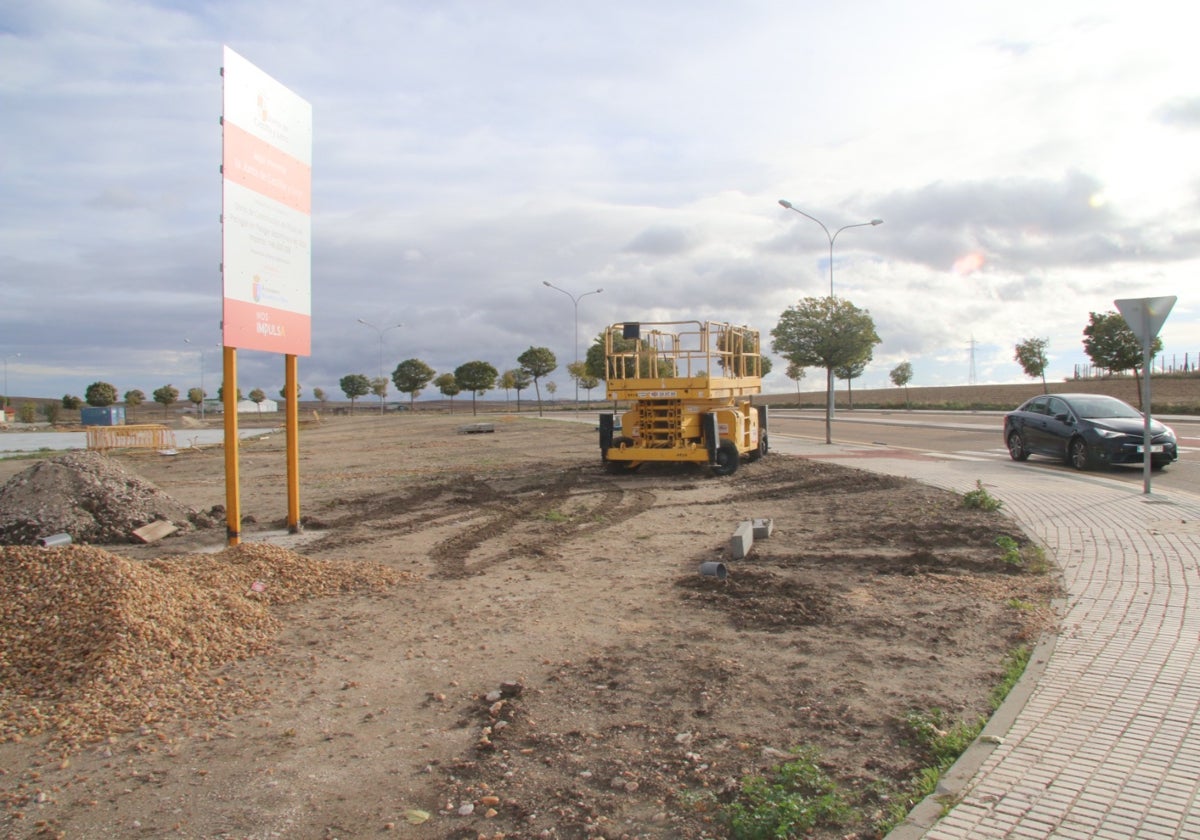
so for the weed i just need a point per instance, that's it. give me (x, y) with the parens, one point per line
(556, 516)
(794, 799)
(1032, 558)
(1011, 551)
(981, 499)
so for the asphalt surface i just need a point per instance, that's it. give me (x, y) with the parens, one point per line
(1101, 738)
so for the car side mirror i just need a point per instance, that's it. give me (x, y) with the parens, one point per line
(1063, 418)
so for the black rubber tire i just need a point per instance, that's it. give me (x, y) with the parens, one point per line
(761, 450)
(1016, 447)
(727, 460)
(1077, 454)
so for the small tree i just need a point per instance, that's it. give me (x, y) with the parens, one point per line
(448, 385)
(355, 385)
(411, 377)
(195, 396)
(1112, 345)
(901, 375)
(27, 413)
(166, 397)
(51, 410)
(134, 398)
(795, 373)
(71, 403)
(520, 381)
(851, 372)
(828, 332)
(476, 377)
(551, 389)
(258, 396)
(538, 362)
(379, 389)
(100, 394)
(319, 396)
(283, 392)
(578, 371)
(1031, 353)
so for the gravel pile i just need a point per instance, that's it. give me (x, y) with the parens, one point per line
(88, 496)
(92, 643)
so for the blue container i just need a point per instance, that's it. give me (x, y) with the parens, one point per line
(109, 415)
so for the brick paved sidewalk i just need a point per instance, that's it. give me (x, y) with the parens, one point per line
(1102, 737)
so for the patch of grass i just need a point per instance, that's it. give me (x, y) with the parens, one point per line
(793, 800)
(981, 499)
(944, 741)
(556, 516)
(1012, 668)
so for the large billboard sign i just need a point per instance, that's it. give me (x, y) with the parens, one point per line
(266, 212)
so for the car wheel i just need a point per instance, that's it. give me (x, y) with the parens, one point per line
(1016, 447)
(1077, 454)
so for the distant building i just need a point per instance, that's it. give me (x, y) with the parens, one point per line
(251, 407)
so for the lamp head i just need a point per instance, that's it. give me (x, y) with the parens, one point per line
(877, 221)
(783, 202)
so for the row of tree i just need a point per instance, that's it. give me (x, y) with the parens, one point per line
(823, 332)
(1108, 342)
(412, 376)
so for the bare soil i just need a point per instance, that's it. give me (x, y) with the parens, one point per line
(546, 659)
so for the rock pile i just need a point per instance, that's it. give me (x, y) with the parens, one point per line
(92, 643)
(88, 496)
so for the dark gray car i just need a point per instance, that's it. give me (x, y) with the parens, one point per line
(1086, 430)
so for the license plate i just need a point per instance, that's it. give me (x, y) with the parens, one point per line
(1154, 447)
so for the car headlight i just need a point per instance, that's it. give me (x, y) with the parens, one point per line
(1109, 433)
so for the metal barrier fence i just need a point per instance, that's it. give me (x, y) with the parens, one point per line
(146, 436)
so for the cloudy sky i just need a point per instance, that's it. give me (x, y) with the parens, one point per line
(1032, 162)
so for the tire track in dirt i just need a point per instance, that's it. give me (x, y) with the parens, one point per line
(533, 523)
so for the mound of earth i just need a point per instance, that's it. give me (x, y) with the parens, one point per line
(88, 496)
(92, 644)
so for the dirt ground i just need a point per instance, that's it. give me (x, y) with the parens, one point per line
(547, 660)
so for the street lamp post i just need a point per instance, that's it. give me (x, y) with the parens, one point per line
(7, 400)
(575, 301)
(829, 401)
(381, 331)
(202, 394)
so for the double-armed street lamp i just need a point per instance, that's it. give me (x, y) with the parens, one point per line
(575, 301)
(831, 237)
(381, 331)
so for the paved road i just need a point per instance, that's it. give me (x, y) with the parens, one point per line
(975, 437)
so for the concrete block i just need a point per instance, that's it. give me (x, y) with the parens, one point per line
(742, 540)
(763, 528)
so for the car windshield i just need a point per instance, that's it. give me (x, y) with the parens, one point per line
(1098, 407)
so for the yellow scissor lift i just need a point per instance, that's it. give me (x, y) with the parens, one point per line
(689, 385)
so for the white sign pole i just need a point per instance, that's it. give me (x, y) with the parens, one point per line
(1145, 317)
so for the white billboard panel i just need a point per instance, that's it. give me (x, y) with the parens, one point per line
(266, 213)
